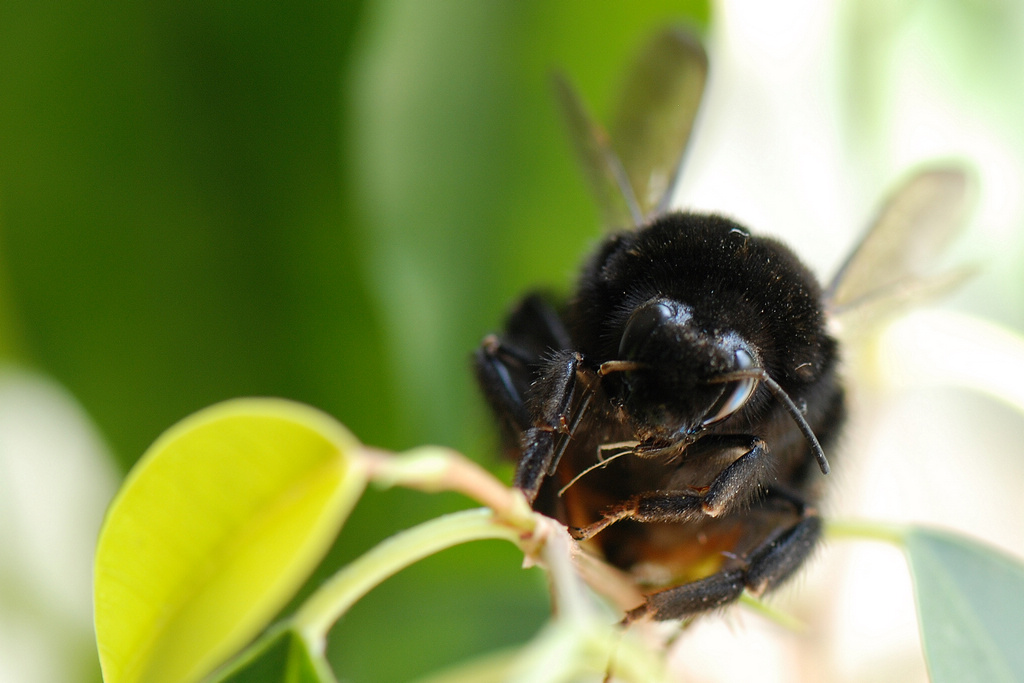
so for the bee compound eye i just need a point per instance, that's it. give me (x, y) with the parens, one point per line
(735, 394)
(643, 323)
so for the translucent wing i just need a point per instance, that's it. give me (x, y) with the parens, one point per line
(634, 172)
(891, 264)
(657, 110)
(604, 171)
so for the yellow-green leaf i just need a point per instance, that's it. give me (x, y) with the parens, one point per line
(213, 531)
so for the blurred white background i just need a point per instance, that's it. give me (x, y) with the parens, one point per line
(816, 110)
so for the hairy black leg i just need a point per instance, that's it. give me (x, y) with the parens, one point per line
(557, 401)
(503, 373)
(538, 454)
(536, 325)
(744, 464)
(739, 481)
(552, 394)
(537, 420)
(776, 560)
(691, 598)
(766, 567)
(508, 365)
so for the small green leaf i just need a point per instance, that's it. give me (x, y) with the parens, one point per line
(970, 602)
(280, 657)
(212, 532)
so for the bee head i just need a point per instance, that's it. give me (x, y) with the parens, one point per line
(672, 369)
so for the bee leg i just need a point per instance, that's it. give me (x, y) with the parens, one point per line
(742, 478)
(532, 387)
(744, 464)
(769, 565)
(507, 365)
(777, 559)
(680, 602)
(502, 371)
(539, 447)
(656, 506)
(536, 324)
(556, 406)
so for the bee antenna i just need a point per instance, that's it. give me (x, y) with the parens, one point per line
(627, 447)
(761, 375)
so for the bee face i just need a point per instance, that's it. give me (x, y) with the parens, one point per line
(699, 348)
(674, 359)
(665, 389)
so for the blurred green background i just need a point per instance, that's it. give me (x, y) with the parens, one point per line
(330, 202)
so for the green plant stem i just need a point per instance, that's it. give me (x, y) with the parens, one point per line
(894, 534)
(319, 612)
(568, 591)
(781, 618)
(436, 468)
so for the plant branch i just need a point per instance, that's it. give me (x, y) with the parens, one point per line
(316, 616)
(894, 534)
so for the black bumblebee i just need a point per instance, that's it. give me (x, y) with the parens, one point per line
(677, 409)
